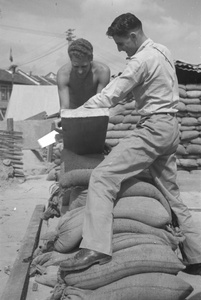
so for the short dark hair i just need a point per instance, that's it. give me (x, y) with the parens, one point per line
(123, 24)
(81, 48)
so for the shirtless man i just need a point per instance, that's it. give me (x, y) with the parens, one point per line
(82, 78)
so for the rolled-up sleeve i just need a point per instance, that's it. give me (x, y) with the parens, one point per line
(118, 88)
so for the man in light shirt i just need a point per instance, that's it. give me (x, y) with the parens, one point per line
(150, 76)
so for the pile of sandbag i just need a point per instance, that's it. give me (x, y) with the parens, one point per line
(144, 264)
(189, 116)
(123, 118)
(72, 180)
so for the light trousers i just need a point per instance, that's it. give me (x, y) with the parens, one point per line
(151, 145)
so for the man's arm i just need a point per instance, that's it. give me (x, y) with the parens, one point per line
(118, 88)
(63, 90)
(103, 78)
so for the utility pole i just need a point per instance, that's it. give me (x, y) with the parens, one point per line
(12, 68)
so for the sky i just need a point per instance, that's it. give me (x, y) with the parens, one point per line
(35, 30)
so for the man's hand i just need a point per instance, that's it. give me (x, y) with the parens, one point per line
(58, 127)
(107, 149)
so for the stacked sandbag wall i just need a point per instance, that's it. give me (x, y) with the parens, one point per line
(143, 248)
(123, 118)
(189, 117)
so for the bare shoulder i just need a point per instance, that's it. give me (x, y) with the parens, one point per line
(100, 68)
(63, 73)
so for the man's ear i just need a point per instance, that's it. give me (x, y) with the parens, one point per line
(133, 35)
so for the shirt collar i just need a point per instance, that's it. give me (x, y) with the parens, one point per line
(147, 42)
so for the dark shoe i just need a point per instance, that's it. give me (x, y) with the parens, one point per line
(194, 269)
(84, 259)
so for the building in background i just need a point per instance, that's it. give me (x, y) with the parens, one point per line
(12, 76)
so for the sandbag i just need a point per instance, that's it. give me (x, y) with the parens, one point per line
(121, 126)
(193, 107)
(69, 231)
(199, 161)
(144, 209)
(188, 135)
(116, 119)
(182, 86)
(190, 100)
(117, 134)
(182, 93)
(78, 177)
(147, 286)
(127, 112)
(49, 278)
(181, 150)
(116, 110)
(131, 119)
(193, 87)
(181, 106)
(130, 105)
(130, 261)
(77, 197)
(136, 187)
(110, 126)
(188, 162)
(125, 240)
(193, 94)
(74, 161)
(187, 128)
(126, 225)
(189, 121)
(194, 114)
(112, 142)
(196, 141)
(193, 149)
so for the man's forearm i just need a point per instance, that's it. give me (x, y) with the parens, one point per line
(114, 92)
(97, 102)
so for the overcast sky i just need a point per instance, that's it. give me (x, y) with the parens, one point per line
(35, 30)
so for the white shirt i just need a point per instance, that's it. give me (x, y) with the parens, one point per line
(150, 75)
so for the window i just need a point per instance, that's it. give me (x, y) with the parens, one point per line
(5, 92)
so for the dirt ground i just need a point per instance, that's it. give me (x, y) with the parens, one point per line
(18, 199)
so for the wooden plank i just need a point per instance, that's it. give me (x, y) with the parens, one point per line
(12, 157)
(9, 146)
(10, 151)
(50, 147)
(17, 284)
(40, 116)
(10, 124)
(43, 292)
(15, 133)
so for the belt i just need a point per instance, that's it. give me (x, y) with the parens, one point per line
(159, 113)
(165, 113)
